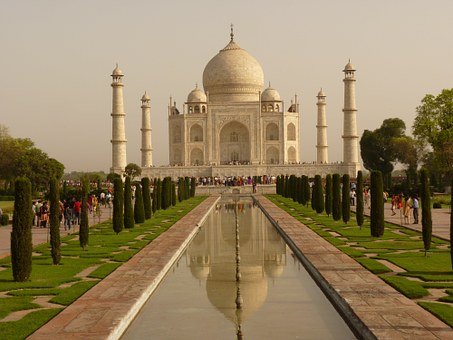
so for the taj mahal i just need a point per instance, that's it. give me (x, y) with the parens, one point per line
(233, 126)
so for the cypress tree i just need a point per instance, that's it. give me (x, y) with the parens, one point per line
(180, 189)
(293, 192)
(154, 197)
(139, 208)
(21, 239)
(173, 193)
(319, 206)
(313, 198)
(55, 212)
(307, 190)
(118, 205)
(328, 202)
(159, 194)
(336, 198)
(187, 188)
(359, 198)
(346, 199)
(377, 204)
(303, 199)
(164, 193)
(287, 187)
(84, 228)
(193, 186)
(128, 208)
(425, 197)
(299, 189)
(146, 194)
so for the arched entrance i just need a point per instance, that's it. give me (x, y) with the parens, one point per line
(196, 157)
(234, 144)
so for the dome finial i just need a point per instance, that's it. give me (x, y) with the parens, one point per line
(231, 33)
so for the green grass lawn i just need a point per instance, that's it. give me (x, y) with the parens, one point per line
(398, 245)
(7, 206)
(47, 279)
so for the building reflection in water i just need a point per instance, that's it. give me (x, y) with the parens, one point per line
(212, 258)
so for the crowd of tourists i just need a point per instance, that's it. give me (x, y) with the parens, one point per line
(236, 180)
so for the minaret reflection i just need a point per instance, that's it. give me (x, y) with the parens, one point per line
(236, 262)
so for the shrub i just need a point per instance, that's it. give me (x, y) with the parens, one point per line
(328, 201)
(345, 199)
(336, 197)
(128, 208)
(173, 193)
(319, 196)
(307, 190)
(139, 209)
(4, 220)
(146, 194)
(425, 198)
(55, 212)
(437, 205)
(359, 195)
(193, 186)
(21, 238)
(118, 205)
(377, 204)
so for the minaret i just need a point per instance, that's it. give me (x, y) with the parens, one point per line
(321, 127)
(147, 149)
(118, 131)
(350, 137)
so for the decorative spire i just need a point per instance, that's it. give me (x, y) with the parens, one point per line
(232, 33)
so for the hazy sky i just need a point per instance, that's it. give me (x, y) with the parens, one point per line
(57, 57)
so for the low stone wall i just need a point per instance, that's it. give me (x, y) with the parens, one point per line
(251, 170)
(207, 190)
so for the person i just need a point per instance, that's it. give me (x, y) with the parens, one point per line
(254, 187)
(415, 206)
(77, 210)
(352, 196)
(394, 204)
(44, 215)
(67, 217)
(407, 209)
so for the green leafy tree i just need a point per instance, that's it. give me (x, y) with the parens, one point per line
(307, 190)
(377, 204)
(377, 147)
(433, 126)
(173, 193)
(336, 197)
(154, 197)
(303, 198)
(159, 194)
(128, 208)
(133, 170)
(425, 198)
(21, 238)
(84, 228)
(328, 198)
(451, 223)
(118, 205)
(319, 196)
(55, 212)
(146, 193)
(359, 195)
(180, 189)
(345, 199)
(139, 208)
(187, 187)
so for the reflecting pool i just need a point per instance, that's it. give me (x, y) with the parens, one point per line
(273, 298)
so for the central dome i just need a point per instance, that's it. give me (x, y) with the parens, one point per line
(233, 75)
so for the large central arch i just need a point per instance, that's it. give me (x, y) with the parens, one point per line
(234, 143)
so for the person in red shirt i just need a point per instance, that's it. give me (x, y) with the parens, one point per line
(77, 210)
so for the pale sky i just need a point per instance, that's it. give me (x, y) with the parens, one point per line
(57, 57)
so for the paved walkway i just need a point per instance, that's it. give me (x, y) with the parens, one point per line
(106, 310)
(41, 235)
(386, 312)
(440, 217)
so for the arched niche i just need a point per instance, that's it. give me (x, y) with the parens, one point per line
(196, 133)
(271, 131)
(292, 155)
(234, 143)
(272, 155)
(196, 157)
(291, 132)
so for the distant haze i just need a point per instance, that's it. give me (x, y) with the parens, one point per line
(57, 57)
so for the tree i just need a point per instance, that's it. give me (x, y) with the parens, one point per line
(133, 170)
(433, 126)
(319, 196)
(139, 208)
(180, 189)
(451, 223)
(118, 205)
(55, 212)
(193, 186)
(21, 238)
(345, 199)
(425, 197)
(336, 197)
(154, 196)
(173, 193)
(328, 202)
(377, 147)
(359, 205)
(377, 204)
(84, 228)
(146, 194)
(164, 196)
(159, 194)
(128, 208)
(111, 177)
(303, 197)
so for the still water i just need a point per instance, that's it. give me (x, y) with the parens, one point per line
(197, 298)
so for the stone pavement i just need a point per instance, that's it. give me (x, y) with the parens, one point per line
(41, 235)
(386, 312)
(440, 217)
(106, 310)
